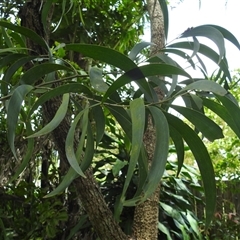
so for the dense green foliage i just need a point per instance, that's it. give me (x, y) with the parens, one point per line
(106, 88)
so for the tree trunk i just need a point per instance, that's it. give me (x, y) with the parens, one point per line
(146, 215)
(88, 191)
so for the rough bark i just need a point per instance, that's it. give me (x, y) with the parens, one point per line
(88, 190)
(145, 224)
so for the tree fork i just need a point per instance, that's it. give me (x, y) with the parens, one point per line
(87, 188)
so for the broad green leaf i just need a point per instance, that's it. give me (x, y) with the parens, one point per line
(164, 229)
(203, 160)
(99, 120)
(225, 114)
(38, 71)
(137, 111)
(204, 124)
(26, 32)
(209, 32)
(67, 180)
(58, 91)
(14, 107)
(54, 123)
(137, 49)
(138, 75)
(163, 4)
(19, 39)
(5, 61)
(204, 85)
(96, 80)
(69, 145)
(179, 145)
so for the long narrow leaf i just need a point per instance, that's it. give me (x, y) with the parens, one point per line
(137, 49)
(203, 160)
(204, 124)
(15, 104)
(54, 123)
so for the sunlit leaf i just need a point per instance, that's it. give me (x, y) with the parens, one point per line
(96, 80)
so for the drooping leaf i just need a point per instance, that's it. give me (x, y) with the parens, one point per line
(203, 160)
(165, 230)
(26, 32)
(137, 111)
(204, 124)
(146, 71)
(229, 115)
(99, 119)
(204, 85)
(137, 49)
(54, 123)
(67, 180)
(160, 153)
(206, 51)
(38, 71)
(163, 4)
(226, 34)
(209, 32)
(96, 80)
(58, 91)
(179, 145)
(69, 145)
(14, 106)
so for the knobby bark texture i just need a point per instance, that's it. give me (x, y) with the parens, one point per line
(87, 188)
(145, 226)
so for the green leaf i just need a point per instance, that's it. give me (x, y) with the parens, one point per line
(46, 9)
(204, 124)
(58, 91)
(137, 111)
(54, 123)
(7, 38)
(206, 51)
(118, 165)
(138, 75)
(14, 106)
(15, 66)
(36, 72)
(194, 224)
(226, 34)
(160, 153)
(26, 32)
(137, 49)
(203, 160)
(99, 120)
(179, 145)
(163, 4)
(96, 80)
(69, 145)
(164, 229)
(67, 180)
(209, 32)
(103, 54)
(27, 157)
(204, 85)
